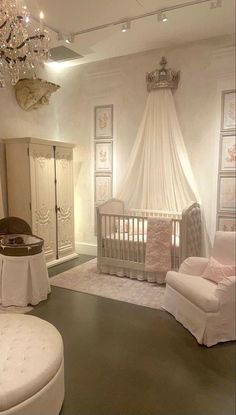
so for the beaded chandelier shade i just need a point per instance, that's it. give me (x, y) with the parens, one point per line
(23, 46)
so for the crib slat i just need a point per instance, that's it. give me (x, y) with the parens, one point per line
(137, 239)
(105, 237)
(110, 236)
(174, 243)
(119, 237)
(128, 221)
(133, 244)
(123, 244)
(114, 237)
(143, 243)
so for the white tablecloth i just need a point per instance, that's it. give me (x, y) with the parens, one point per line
(23, 280)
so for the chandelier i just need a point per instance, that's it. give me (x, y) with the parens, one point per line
(23, 46)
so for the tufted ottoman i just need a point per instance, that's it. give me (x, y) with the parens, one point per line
(31, 366)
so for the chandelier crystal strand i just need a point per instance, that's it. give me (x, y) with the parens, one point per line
(23, 46)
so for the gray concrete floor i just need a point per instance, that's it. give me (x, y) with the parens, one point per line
(122, 359)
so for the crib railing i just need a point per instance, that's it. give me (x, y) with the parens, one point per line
(154, 213)
(122, 239)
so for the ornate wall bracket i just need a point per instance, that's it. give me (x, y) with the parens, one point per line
(31, 94)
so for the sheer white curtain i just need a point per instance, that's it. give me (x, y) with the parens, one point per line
(159, 174)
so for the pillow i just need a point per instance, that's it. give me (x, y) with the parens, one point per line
(216, 272)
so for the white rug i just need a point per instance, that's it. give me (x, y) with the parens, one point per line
(13, 309)
(86, 279)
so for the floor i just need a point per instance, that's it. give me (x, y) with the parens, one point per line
(122, 359)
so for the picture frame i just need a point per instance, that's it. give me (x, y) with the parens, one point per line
(103, 188)
(103, 156)
(226, 223)
(226, 199)
(228, 120)
(103, 121)
(228, 152)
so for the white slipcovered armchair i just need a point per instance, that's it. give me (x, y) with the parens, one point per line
(205, 308)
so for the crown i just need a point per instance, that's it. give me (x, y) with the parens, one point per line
(162, 78)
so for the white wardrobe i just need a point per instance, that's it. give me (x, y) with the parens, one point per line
(41, 191)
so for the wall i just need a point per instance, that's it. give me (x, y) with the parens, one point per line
(14, 122)
(207, 67)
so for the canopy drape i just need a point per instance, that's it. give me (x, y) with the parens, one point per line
(159, 174)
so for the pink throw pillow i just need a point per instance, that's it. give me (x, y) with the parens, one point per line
(216, 272)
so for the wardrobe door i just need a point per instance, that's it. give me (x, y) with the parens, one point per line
(42, 177)
(65, 200)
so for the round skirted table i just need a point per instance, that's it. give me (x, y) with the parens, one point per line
(23, 280)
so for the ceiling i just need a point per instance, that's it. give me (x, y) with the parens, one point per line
(188, 24)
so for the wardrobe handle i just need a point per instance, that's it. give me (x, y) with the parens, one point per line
(58, 209)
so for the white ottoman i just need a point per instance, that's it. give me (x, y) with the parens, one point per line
(31, 366)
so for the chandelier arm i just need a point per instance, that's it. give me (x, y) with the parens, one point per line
(19, 58)
(26, 40)
(9, 37)
(4, 24)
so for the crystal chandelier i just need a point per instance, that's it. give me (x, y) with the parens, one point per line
(23, 46)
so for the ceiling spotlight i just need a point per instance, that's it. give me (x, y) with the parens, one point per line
(70, 39)
(125, 26)
(215, 4)
(66, 38)
(161, 17)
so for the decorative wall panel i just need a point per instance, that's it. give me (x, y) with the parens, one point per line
(43, 196)
(65, 200)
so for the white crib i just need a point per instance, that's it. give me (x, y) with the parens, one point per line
(122, 234)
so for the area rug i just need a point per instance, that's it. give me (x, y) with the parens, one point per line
(85, 278)
(13, 309)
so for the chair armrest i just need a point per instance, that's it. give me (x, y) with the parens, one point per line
(226, 290)
(194, 265)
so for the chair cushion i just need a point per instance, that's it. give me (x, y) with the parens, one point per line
(196, 289)
(224, 247)
(216, 272)
(31, 353)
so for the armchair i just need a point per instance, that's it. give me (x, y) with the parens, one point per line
(205, 308)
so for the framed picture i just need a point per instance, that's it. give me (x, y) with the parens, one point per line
(228, 152)
(228, 110)
(103, 156)
(227, 223)
(103, 188)
(227, 193)
(103, 121)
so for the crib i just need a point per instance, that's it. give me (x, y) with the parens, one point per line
(122, 235)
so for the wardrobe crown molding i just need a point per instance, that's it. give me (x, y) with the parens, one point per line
(33, 140)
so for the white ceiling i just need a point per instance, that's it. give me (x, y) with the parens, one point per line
(184, 25)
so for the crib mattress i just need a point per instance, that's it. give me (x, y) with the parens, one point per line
(131, 247)
(137, 238)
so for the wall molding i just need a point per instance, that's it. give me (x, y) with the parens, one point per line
(85, 248)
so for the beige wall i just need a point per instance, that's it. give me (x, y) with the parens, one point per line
(206, 69)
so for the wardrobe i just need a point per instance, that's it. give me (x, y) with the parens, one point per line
(41, 191)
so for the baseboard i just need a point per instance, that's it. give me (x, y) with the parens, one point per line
(86, 249)
(61, 260)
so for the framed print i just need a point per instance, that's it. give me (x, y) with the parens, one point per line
(103, 188)
(103, 121)
(228, 110)
(227, 223)
(227, 193)
(103, 156)
(228, 152)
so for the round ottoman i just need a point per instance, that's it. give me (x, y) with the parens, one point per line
(31, 366)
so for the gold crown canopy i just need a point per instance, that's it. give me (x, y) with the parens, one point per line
(162, 78)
